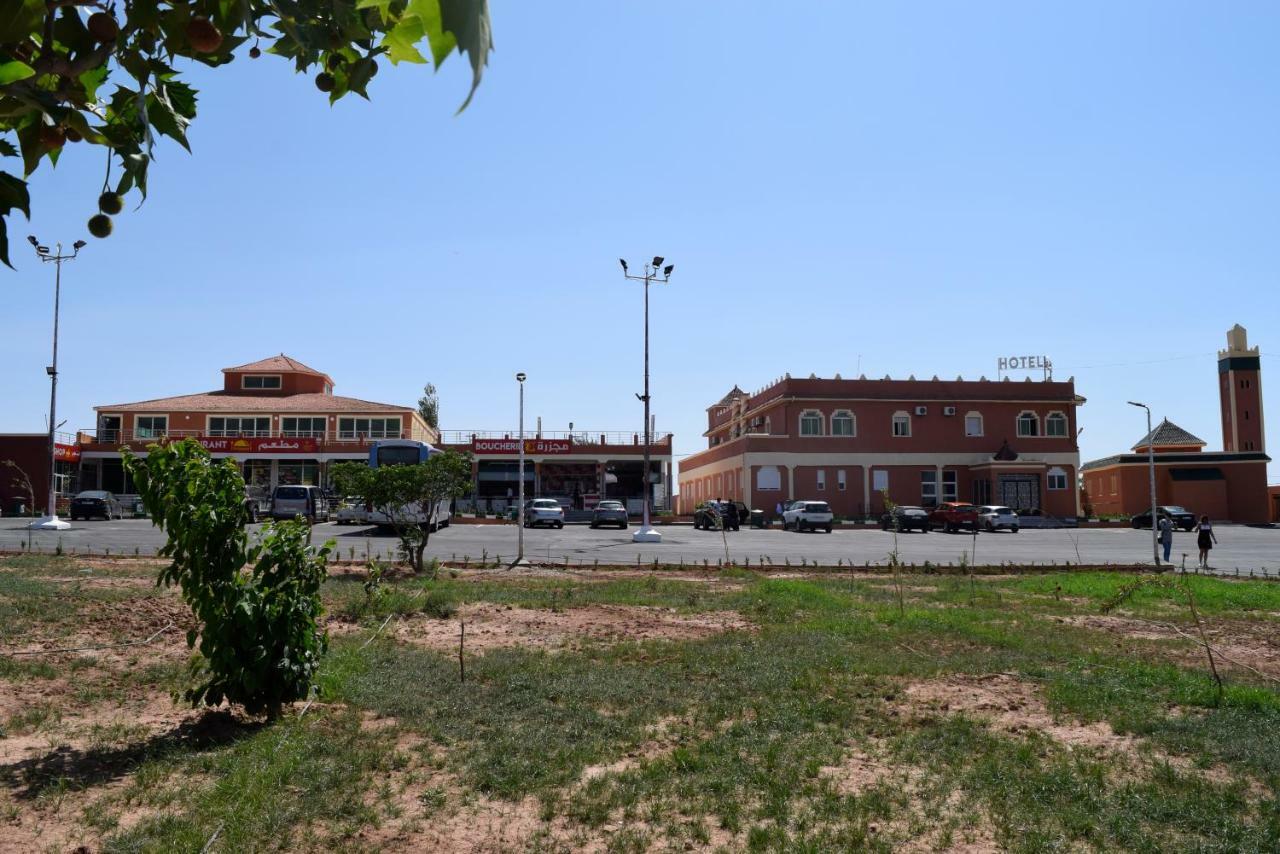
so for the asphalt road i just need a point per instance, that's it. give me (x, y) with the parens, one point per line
(1248, 548)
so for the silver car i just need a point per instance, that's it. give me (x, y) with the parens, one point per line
(543, 511)
(289, 502)
(352, 511)
(993, 517)
(609, 513)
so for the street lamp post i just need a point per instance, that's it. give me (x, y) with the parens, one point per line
(520, 378)
(647, 534)
(1151, 467)
(51, 522)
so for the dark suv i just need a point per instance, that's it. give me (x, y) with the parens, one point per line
(708, 517)
(1180, 516)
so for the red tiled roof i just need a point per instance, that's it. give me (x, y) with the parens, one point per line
(221, 401)
(281, 363)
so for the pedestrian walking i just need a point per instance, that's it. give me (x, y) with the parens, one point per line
(1166, 536)
(1205, 539)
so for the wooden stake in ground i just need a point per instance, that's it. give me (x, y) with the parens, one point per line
(462, 663)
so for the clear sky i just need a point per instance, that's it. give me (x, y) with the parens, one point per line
(892, 188)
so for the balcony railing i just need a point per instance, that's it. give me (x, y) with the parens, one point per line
(121, 437)
(579, 437)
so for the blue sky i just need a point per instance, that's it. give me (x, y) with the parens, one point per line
(921, 187)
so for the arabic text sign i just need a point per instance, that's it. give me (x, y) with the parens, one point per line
(66, 453)
(259, 445)
(531, 446)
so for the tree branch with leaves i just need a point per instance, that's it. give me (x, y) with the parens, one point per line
(104, 73)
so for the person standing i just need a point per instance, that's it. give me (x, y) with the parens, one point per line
(1166, 536)
(777, 511)
(1205, 539)
(731, 516)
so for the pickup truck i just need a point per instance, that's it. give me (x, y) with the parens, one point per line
(807, 516)
(954, 515)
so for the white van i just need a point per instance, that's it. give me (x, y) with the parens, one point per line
(289, 502)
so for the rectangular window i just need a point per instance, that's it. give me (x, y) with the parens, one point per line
(768, 479)
(294, 427)
(879, 480)
(973, 425)
(902, 424)
(150, 426)
(1057, 480)
(929, 487)
(261, 381)
(368, 428)
(238, 426)
(1056, 425)
(822, 480)
(840, 481)
(842, 424)
(811, 424)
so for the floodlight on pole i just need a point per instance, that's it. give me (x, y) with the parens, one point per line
(1151, 466)
(647, 534)
(51, 522)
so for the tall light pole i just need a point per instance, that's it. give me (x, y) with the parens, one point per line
(1151, 466)
(51, 522)
(520, 378)
(647, 534)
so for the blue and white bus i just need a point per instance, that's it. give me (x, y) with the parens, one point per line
(406, 452)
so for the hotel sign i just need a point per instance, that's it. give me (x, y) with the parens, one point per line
(1025, 363)
(512, 446)
(259, 445)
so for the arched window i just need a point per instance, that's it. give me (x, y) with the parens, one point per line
(768, 424)
(1028, 424)
(843, 423)
(973, 423)
(811, 423)
(901, 424)
(1055, 424)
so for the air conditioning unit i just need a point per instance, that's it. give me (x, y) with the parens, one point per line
(922, 410)
(948, 410)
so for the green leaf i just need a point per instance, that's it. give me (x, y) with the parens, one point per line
(468, 21)
(14, 194)
(7, 149)
(13, 71)
(92, 80)
(4, 244)
(20, 19)
(400, 41)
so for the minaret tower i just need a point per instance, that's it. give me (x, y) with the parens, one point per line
(1240, 387)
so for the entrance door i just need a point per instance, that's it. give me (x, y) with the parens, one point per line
(1020, 491)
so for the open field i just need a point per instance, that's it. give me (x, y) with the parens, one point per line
(633, 711)
(1244, 548)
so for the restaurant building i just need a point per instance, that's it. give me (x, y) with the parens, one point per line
(280, 420)
(852, 441)
(1230, 484)
(277, 417)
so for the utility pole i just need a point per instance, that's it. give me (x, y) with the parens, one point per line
(647, 534)
(520, 378)
(51, 522)
(1151, 467)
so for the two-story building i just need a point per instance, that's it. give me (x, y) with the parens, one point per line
(279, 418)
(851, 442)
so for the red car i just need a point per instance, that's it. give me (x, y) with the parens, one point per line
(954, 515)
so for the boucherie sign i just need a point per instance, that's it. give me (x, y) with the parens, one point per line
(531, 446)
(259, 445)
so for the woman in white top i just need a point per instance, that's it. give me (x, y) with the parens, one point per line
(1205, 539)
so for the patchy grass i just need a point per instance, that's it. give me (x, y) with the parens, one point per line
(806, 732)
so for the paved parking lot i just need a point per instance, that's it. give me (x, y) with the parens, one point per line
(1248, 548)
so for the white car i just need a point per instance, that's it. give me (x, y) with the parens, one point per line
(543, 511)
(994, 517)
(807, 516)
(352, 511)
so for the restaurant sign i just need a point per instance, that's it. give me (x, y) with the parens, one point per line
(531, 446)
(259, 445)
(66, 453)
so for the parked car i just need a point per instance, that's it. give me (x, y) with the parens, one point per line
(808, 516)
(1181, 516)
(994, 517)
(543, 511)
(954, 515)
(257, 504)
(351, 511)
(1037, 517)
(309, 502)
(94, 503)
(609, 513)
(708, 517)
(906, 519)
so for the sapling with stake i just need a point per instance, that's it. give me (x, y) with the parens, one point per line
(894, 562)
